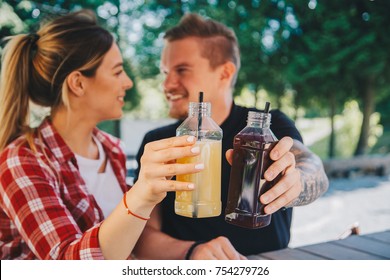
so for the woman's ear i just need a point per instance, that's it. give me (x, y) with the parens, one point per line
(228, 71)
(75, 83)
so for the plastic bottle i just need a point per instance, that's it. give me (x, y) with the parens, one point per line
(250, 160)
(205, 199)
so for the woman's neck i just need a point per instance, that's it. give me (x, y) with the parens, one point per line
(77, 133)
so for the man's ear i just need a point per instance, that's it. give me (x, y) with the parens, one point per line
(228, 71)
(75, 83)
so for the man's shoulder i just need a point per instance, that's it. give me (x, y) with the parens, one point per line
(275, 113)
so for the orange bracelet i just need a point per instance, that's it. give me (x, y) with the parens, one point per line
(131, 213)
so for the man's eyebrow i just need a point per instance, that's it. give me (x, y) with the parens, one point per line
(184, 64)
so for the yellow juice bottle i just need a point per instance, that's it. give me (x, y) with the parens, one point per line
(205, 200)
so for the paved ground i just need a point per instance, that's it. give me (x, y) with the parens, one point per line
(364, 200)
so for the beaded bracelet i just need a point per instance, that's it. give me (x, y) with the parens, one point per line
(191, 249)
(129, 211)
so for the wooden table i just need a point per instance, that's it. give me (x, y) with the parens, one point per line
(374, 246)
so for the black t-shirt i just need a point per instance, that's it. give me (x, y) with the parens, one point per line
(246, 241)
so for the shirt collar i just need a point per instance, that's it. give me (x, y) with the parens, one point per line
(110, 143)
(54, 141)
(61, 150)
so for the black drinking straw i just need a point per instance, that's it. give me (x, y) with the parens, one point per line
(200, 113)
(266, 109)
(195, 195)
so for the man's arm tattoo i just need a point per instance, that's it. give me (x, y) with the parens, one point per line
(313, 178)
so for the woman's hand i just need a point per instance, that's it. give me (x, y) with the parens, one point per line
(158, 166)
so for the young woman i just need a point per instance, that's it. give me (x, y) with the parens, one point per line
(62, 185)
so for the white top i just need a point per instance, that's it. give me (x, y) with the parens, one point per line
(103, 186)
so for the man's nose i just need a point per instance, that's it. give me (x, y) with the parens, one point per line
(170, 82)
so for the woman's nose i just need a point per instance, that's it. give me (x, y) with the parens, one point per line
(128, 83)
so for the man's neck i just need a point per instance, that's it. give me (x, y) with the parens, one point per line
(221, 110)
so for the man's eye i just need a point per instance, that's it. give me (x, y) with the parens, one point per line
(118, 73)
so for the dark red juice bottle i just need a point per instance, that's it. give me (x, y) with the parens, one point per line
(250, 160)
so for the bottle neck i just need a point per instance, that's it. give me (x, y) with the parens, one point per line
(259, 119)
(203, 109)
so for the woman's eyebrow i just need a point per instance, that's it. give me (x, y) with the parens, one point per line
(119, 64)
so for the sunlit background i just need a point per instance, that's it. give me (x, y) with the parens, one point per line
(324, 63)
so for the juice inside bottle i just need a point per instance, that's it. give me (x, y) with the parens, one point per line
(205, 199)
(250, 160)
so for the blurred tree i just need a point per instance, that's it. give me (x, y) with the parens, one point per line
(340, 52)
(325, 52)
(311, 70)
(25, 16)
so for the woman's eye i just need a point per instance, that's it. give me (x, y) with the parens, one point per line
(118, 73)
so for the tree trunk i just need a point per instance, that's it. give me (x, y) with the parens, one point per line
(367, 92)
(256, 96)
(279, 102)
(296, 101)
(332, 139)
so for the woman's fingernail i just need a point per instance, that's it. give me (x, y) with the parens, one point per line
(190, 139)
(195, 150)
(275, 154)
(191, 186)
(265, 199)
(199, 166)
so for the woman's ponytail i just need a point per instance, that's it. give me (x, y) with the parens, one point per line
(14, 88)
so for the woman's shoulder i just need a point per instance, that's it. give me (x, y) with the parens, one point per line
(16, 149)
(23, 152)
(19, 160)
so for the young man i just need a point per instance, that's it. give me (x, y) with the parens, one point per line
(203, 55)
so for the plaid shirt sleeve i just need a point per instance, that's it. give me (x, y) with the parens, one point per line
(30, 195)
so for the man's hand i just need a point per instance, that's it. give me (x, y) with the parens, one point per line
(289, 186)
(219, 248)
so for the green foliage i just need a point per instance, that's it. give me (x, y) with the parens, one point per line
(336, 55)
(25, 16)
(318, 55)
(383, 106)
(108, 126)
(383, 144)
(347, 129)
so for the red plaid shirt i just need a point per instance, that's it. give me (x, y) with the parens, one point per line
(46, 210)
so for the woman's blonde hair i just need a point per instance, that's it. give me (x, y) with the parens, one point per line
(35, 66)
